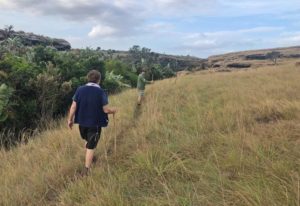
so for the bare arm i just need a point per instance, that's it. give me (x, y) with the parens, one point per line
(109, 110)
(72, 114)
(146, 81)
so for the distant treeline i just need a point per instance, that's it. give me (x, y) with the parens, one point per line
(37, 83)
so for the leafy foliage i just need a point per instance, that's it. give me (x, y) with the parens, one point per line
(273, 56)
(37, 83)
(5, 94)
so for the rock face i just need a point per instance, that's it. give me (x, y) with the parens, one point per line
(182, 62)
(2, 35)
(30, 39)
(239, 65)
(61, 44)
(292, 56)
(256, 57)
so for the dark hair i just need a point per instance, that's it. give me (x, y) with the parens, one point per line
(94, 76)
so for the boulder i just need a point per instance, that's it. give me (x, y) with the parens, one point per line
(61, 44)
(239, 65)
(2, 35)
(216, 66)
(256, 57)
(292, 56)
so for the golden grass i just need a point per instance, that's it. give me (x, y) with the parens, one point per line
(208, 139)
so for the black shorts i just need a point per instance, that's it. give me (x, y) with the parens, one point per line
(91, 135)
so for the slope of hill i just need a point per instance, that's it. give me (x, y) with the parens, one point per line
(202, 139)
(235, 60)
(31, 39)
(176, 62)
(254, 59)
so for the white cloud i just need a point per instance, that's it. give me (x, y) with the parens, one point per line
(128, 15)
(288, 39)
(159, 27)
(133, 11)
(209, 43)
(179, 8)
(118, 15)
(251, 7)
(232, 35)
(265, 29)
(157, 21)
(102, 31)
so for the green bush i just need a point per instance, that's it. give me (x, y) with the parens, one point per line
(38, 82)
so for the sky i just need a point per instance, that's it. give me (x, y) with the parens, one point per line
(183, 27)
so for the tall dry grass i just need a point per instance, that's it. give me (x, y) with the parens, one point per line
(208, 139)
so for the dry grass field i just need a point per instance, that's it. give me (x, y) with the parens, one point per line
(202, 139)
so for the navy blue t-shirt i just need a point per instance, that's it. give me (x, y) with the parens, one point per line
(90, 100)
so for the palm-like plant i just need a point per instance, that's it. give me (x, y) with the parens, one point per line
(12, 45)
(5, 94)
(117, 78)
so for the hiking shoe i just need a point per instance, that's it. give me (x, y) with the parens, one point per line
(85, 172)
(94, 159)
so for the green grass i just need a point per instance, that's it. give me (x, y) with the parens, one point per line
(208, 139)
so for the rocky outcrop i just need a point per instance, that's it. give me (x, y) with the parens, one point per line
(182, 62)
(216, 65)
(61, 44)
(2, 35)
(256, 57)
(239, 65)
(292, 56)
(30, 39)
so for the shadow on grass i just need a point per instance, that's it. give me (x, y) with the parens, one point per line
(137, 112)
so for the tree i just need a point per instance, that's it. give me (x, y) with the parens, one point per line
(8, 30)
(135, 57)
(114, 83)
(273, 56)
(120, 68)
(43, 55)
(13, 45)
(141, 57)
(47, 86)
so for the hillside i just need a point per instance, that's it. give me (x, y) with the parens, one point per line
(253, 59)
(229, 61)
(202, 139)
(176, 62)
(30, 39)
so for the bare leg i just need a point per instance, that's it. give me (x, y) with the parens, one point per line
(140, 99)
(89, 157)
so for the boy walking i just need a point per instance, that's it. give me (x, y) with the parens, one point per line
(141, 83)
(90, 109)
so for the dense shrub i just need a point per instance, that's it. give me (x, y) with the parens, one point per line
(37, 83)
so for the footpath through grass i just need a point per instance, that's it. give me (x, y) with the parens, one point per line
(208, 139)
